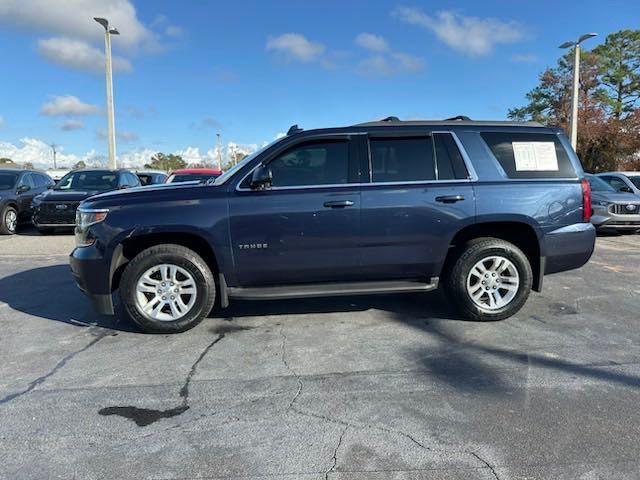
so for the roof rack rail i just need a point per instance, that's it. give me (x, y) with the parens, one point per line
(390, 119)
(458, 118)
(294, 129)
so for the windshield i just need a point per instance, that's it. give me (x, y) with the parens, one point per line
(599, 185)
(8, 180)
(635, 181)
(229, 173)
(191, 177)
(88, 181)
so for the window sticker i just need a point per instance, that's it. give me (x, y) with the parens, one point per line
(535, 156)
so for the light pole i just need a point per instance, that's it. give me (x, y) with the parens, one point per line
(219, 152)
(110, 115)
(576, 84)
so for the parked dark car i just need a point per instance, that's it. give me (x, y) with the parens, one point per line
(17, 189)
(193, 175)
(151, 177)
(485, 208)
(613, 211)
(56, 208)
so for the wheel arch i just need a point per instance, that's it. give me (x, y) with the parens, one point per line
(521, 233)
(134, 244)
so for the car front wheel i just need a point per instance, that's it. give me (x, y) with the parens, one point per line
(490, 279)
(167, 289)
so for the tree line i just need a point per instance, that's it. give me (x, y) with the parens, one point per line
(608, 102)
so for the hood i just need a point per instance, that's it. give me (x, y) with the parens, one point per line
(65, 195)
(616, 197)
(148, 190)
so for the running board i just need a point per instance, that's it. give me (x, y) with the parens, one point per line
(331, 289)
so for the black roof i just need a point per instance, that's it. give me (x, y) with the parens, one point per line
(458, 121)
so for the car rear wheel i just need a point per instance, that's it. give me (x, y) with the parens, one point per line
(490, 279)
(9, 221)
(167, 289)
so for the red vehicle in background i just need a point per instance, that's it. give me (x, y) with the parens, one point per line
(193, 174)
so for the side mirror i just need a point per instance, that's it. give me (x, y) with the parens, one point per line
(123, 186)
(625, 190)
(261, 178)
(23, 188)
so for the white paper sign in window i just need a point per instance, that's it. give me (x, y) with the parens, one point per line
(535, 156)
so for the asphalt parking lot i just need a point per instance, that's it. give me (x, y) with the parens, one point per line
(388, 387)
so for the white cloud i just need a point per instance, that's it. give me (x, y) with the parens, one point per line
(67, 105)
(294, 46)
(370, 41)
(38, 153)
(71, 124)
(473, 36)
(124, 136)
(79, 55)
(74, 18)
(385, 61)
(524, 58)
(173, 31)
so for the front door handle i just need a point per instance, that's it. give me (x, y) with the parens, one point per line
(338, 204)
(450, 198)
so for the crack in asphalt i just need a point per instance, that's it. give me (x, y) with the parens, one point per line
(488, 465)
(283, 356)
(334, 459)
(146, 416)
(61, 363)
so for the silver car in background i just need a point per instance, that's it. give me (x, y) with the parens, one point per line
(624, 182)
(613, 210)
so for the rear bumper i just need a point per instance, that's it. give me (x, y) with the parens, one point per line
(92, 275)
(569, 247)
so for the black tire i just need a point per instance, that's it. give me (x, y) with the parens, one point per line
(45, 230)
(175, 255)
(467, 257)
(5, 228)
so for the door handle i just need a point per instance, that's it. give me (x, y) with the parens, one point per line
(450, 198)
(338, 204)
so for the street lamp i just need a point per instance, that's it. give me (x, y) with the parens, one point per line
(576, 84)
(110, 115)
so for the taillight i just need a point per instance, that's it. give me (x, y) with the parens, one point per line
(587, 211)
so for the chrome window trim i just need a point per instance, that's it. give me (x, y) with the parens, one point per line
(473, 177)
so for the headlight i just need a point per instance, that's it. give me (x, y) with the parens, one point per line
(85, 217)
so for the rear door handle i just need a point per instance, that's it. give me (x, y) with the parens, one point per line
(450, 198)
(338, 204)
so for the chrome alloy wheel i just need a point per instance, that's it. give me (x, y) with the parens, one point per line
(166, 292)
(493, 283)
(11, 220)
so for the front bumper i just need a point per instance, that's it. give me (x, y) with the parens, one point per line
(604, 219)
(92, 275)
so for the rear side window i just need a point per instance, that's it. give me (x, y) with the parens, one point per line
(448, 158)
(408, 159)
(530, 155)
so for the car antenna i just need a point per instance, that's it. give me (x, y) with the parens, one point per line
(458, 118)
(390, 119)
(294, 129)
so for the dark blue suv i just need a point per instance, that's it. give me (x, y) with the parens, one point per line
(484, 208)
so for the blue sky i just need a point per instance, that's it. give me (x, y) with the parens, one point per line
(189, 69)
